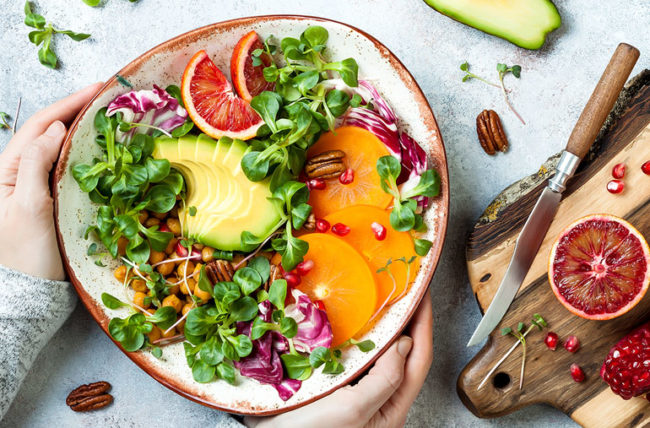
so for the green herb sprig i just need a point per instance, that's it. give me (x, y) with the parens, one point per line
(502, 70)
(403, 216)
(520, 333)
(95, 3)
(3, 120)
(43, 34)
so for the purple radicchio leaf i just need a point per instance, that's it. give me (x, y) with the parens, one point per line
(314, 328)
(287, 388)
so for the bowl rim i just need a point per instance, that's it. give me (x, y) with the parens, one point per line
(436, 250)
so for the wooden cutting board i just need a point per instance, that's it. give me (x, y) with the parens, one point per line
(624, 138)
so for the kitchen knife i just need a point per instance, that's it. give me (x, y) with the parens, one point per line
(584, 133)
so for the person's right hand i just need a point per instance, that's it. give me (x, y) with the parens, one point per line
(383, 397)
(26, 206)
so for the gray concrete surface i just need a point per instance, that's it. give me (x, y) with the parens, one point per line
(556, 82)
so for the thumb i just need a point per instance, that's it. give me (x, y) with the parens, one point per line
(36, 162)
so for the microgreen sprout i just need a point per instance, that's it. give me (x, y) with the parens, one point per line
(388, 272)
(3, 120)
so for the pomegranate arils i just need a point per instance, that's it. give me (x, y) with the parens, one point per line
(293, 279)
(304, 267)
(319, 304)
(322, 226)
(347, 176)
(340, 229)
(551, 340)
(317, 184)
(646, 168)
(379, 230)
(572, 344)
(181, 251)
(164, 228)
(615, 186)
(627, 366)
(619, 170)
(576, 373)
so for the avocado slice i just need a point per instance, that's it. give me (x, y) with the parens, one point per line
(227, 202)
(522, 22)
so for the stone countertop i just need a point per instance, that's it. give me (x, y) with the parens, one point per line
(554, 86)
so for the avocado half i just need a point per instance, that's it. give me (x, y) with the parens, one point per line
(227, 203)
(522, 22)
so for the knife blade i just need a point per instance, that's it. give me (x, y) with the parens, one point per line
(532, 235)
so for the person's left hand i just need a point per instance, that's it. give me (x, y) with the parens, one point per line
(26, 206)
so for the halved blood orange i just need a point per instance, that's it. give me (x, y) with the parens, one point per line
(362, 150)
(211, 103)
(342, 280)
(247, 78)
(599, 267)
(395, 245)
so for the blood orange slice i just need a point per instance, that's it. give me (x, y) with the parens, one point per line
(599, 267)
(247, 78)
(211, 103)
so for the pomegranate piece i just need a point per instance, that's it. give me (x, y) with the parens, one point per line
(181, 251)
(322, 226)
(163, 228)
(379, 230)
(293, 279)
(551, 340)
(347, 176)
(615, 186)
(626, 367)
(340, 229)
(316, 184)
(572, 344)
(576, 373)
(304, 267)
(646, 168)
(619, 170)
(319, 304)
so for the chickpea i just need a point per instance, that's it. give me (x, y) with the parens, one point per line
(170, 333)
(173, 301)
(186, 308)
(151, 311)
(154, 334)
(143, 216)
(174, 212)
(174, 226)
(139, 285)
(138, 299)
(174, 289)
(120, 273)
(203, 295)
(238, 258)
(152, 221)
(122, 242)
(159, 216)
(207, 254)
(191, 284)
(185, 268)
(156, 256)
(197, 270)
(267, 255)
(180, 327)
(165, 268)
(170, 246)
(198, 246)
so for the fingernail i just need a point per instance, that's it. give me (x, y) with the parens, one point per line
(55, 129)
(404, 346)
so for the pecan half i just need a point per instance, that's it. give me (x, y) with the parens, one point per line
(490, 132)
(310, 223)
(325, 165)
(88, 397)
(220, 271)
(274, 274)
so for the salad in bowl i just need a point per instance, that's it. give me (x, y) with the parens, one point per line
(271, 232)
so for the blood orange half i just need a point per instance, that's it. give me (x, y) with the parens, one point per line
(211, 103)
(599, 267)
(247, 78)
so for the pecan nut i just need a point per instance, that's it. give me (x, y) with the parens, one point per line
(88, 397)
(325, 165)
(274, 273)
(490, 132)
(220, 271)
(310, 223)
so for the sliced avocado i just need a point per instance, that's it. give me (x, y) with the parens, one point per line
(227, 202)
(522, 22)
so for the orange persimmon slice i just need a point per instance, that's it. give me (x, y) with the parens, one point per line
(362, 150)
(342, 280)
(359, 218)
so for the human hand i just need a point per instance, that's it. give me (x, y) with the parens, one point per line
(383, 397)
(26, 206)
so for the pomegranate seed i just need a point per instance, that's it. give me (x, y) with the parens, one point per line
(615, 186)
(619, 170)
(316, 183)
(340, 229)
(646, 168)
(572, 344)
(293, 280)
(322, 226)
(304, 267)
(551, 340)
(379, 230)
(347, 176)
(320, 305)
(181, 251)
(576, 373)
(163, 228)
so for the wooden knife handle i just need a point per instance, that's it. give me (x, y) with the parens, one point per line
(602, 99)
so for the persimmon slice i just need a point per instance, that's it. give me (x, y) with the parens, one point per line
(359, 218)
(362, 150)
(342, 280)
